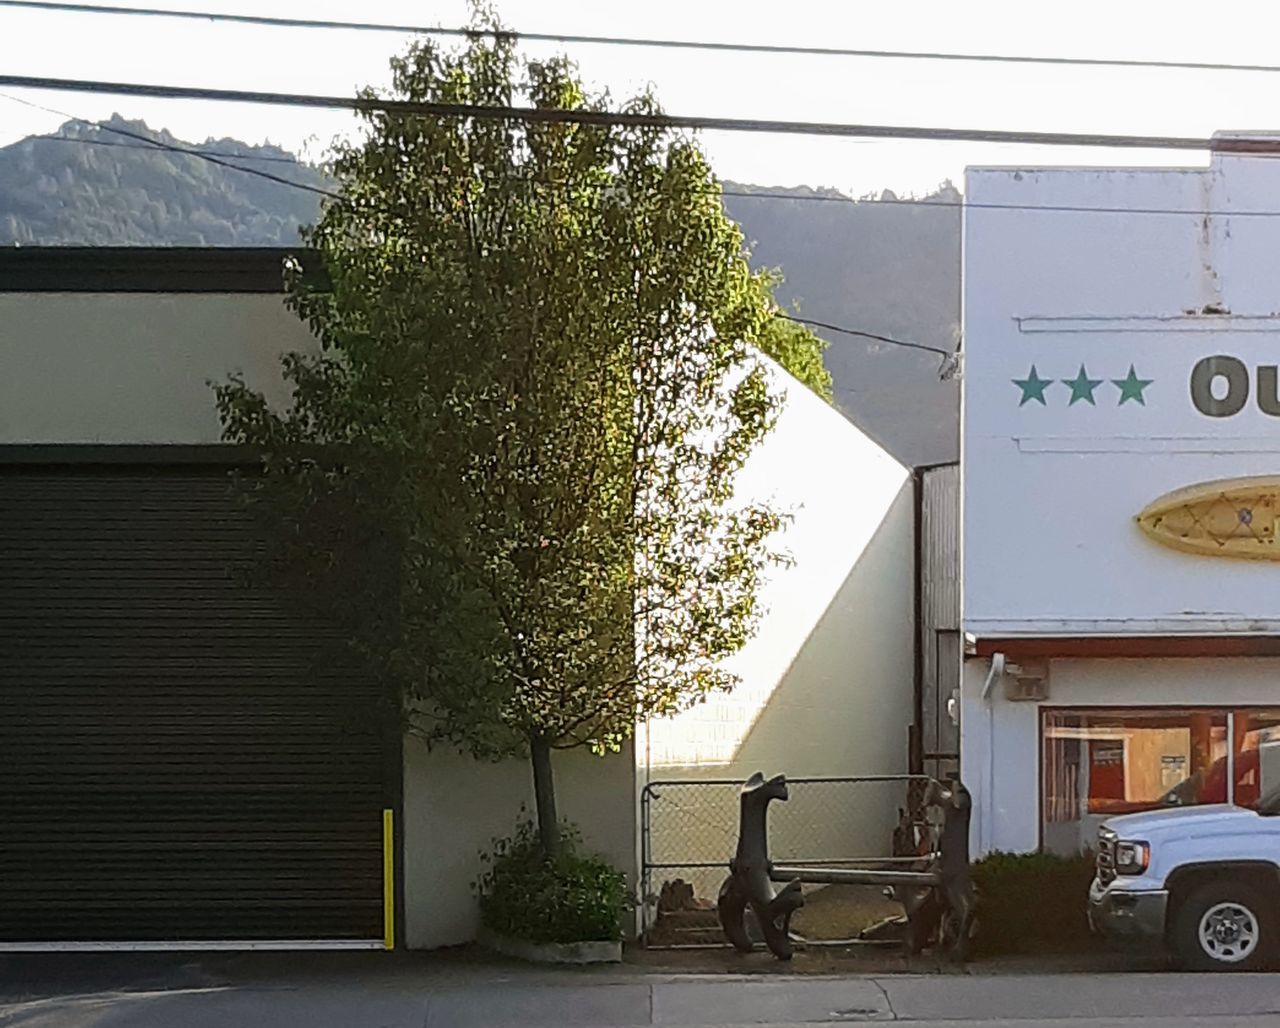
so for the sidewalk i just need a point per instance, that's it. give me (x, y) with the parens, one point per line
(420, 991)
(686, 1001)
(876, 961)
(39, 975)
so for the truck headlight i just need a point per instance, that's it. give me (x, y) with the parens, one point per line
(1132, 858)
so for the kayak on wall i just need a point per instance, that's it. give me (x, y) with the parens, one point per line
(1234, 517)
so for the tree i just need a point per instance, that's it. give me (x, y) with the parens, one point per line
(508, 475)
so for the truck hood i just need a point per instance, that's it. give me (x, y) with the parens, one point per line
(1209, 818)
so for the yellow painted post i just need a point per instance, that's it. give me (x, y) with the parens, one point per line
(388, 881)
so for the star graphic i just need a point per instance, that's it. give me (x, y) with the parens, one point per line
(1033, 387)
(1131, 387)
(1082, 387)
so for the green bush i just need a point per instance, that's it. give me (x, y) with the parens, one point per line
(571, 898)
(1032, 903)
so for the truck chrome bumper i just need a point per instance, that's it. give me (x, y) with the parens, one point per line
(1135, 914)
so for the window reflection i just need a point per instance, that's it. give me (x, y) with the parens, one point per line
(1101, 763)
(1257, 760)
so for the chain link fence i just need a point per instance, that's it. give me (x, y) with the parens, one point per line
(689, 831)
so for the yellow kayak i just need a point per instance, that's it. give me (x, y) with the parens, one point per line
(1233, 517)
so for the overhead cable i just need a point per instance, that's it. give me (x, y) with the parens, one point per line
(637, 119)
(336, 196)
(600, 40)
(751, 194)
(173, 148)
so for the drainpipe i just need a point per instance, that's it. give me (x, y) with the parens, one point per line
(915, 744)
(997, 669)
(989, 814)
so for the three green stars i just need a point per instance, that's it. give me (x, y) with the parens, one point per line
(1082, 387)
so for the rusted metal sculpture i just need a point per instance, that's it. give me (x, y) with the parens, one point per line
(749, 882)
(944, 911)
(937, 893)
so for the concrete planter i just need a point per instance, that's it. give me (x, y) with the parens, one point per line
(552, 952)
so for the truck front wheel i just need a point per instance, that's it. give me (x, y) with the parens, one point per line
(1225, 926)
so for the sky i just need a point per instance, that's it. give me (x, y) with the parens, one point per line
(905, 92)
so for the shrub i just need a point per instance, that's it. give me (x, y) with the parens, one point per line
(573, 897)
(1032, 903)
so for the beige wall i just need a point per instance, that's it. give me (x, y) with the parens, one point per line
(120, 368)
(134, 367)
(827, 684)
(455, 806)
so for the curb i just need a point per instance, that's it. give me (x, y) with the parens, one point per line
(552, 952)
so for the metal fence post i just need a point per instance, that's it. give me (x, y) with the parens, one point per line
(953, 867)
(646, 860)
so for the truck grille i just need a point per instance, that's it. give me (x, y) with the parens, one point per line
(1106, 856)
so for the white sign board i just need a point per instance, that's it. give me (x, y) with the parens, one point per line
(1121, 435)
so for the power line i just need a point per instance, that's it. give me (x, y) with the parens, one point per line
(983, 206)
(86, 141)
(866, 335)
(299, 185)
(745, 194)
(732, 193)
(158, 144)
(681, 44)
(634, 119)
(279, 179)
(151, 143)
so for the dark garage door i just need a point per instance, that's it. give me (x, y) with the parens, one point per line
(181, 759)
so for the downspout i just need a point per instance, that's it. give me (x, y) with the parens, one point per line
(915, 743)
(997, 669)
(989, 814)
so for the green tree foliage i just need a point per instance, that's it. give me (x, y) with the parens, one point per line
(798, 350)
(509, 474)
(1054, 889)
(574, 897)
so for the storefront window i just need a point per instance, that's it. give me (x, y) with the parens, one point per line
(1257, 754)
(1100, 763)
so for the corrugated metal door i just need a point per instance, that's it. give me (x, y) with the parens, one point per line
(940, 618)
(180, 758)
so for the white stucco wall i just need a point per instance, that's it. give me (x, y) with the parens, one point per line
(134, 367)
(1051, 490)
(455, 806)
(826, 685)
(1050, 543)
(1000, 739)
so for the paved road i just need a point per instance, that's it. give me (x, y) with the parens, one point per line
(472, 997)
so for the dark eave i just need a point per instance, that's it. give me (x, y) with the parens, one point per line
(1134, 646)
(149, 269)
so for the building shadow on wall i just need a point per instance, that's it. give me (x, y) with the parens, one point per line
(841, 708)
(843, 704)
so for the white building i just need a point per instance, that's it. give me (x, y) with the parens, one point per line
(179, 765)
(825, 686)
(1120, 331)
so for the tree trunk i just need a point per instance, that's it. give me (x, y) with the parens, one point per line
(544, 794)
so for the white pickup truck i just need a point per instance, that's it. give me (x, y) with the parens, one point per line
(1202, 881)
